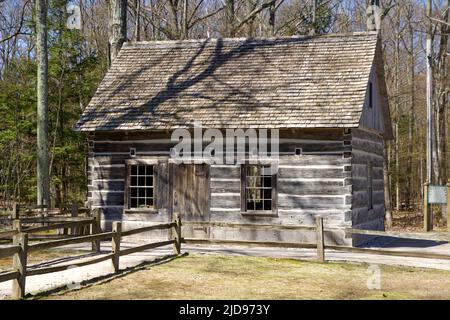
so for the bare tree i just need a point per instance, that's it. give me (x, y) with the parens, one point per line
(43, 182)
(117, 26)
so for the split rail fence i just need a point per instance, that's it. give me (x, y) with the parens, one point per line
(20, 248)
(320, 245)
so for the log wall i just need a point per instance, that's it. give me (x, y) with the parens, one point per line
(316, 182)
(367, 147)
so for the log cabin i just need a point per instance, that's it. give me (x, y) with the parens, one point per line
(322, 97)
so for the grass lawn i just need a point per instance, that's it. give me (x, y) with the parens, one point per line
(234, 277)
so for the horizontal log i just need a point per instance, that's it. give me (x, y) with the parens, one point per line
(149, 228)
(367, 146)
(53, 219)
(248, 225)
(302, 172)
(361, 171)
(146, 247)
(314, 160)
(366, 135)
(107, 160)
(364, 158)
(361, 184)
(303, 187)
(101, 147)
(58, 226)
(225, 186)
(106, 198)
(364, 215)
(105, 173)
(288, 201)
(8, 234)
(411, 254)
(49, 236)
(9, 275)
(337, 146)
(8, 251)
(230, 171)
(106, 185)
(35, 272)
(226, 200)
(64, 242)
(250, 243)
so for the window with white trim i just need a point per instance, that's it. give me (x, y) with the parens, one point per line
(140, 186)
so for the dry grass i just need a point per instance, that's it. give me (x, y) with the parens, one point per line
(231, 277)
(406, 221)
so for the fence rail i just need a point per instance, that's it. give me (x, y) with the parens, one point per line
(320, 237)
(20, 249)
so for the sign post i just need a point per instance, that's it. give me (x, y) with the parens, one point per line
(427, 220)
(448, 205)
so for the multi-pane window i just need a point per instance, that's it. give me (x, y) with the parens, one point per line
(259, 185)
(141, 186)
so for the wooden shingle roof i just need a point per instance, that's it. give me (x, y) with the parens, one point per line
(296, 82)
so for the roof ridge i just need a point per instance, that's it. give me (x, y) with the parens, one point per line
(240, 39)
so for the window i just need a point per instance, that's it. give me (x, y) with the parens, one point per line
(370, 185)
(258, 188)
(370, 95)
(140, 186)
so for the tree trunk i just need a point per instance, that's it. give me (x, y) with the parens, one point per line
(411, 123)
(387, 193)
(117, 27)
(441, 103)
(272, 12)
(137, 23)
(230, 18)
(185, 19)
(312, 29)
(43, 181)
(397, 117)
(430, 116)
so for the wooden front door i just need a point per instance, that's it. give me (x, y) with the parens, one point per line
(191, 191)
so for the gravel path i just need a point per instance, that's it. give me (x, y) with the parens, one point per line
(74, 276)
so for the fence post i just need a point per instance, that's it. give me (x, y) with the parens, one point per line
(74, 214)
(320, 239)
(115, 244)
(16, 211)
(427, 219)
(96, 228)
(17, 225)
(20, 265)
(177, 227)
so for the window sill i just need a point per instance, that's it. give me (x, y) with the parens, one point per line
(137, 211)
(272, 214)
